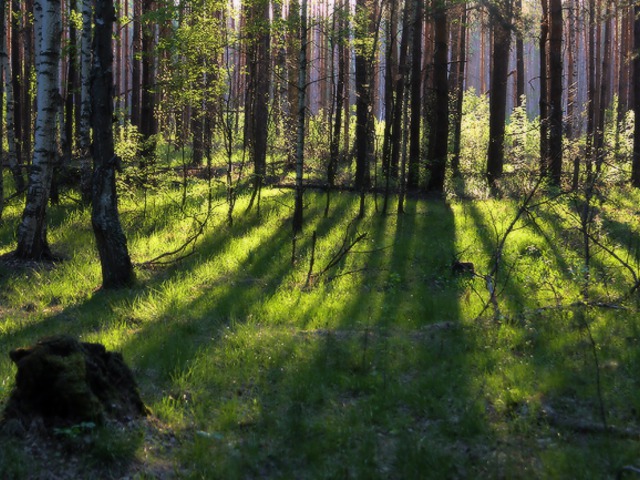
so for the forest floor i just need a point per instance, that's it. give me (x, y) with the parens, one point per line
(369, 352)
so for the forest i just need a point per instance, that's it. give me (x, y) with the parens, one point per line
(387, 239)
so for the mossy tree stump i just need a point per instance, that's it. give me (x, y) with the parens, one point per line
(64, 381)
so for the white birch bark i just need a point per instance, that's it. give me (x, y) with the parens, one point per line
(32, 232)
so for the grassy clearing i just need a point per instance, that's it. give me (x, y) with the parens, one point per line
(383, 368)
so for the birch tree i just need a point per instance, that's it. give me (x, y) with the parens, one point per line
(32, 232)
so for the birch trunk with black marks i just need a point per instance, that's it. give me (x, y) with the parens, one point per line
(32, 232)
(117, 270)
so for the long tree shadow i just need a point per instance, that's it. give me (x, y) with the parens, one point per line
(364, 397)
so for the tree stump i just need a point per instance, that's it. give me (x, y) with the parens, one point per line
(65, 382)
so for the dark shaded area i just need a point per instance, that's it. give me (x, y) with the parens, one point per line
(64, 381)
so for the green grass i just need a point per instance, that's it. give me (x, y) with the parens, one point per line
(382, 368)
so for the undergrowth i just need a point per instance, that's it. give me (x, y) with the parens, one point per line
(389, 365)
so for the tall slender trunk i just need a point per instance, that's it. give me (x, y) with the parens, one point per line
(544, 89)
(498, 99)
(12, 152)
(302, 102)
(413, 176)
(84, 128)
(459, 92)
(136, 64)
(32, 232)
(605, 86)
(117, 270)
(334, 147)
(17, 79)
(635, 172)
(520, 93)
(439, 137)
(3, 34)
(555, 92)
(148, 121)
(390, 103)
(397, 127)
(363, 101)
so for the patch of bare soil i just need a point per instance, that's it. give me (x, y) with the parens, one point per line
(141, 448)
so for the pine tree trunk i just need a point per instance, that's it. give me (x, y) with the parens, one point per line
(605, 86)
(363, 103)
(84, 128)
(136, 64)
(635, 172)
(520, 93)
(555, 92)
(439, 138)
(12, 153)
(148, 122)
(498, 99)
(413, 176)
(32, 232)
(302, 102)
(544, 90)
(117, 270)
(459, 92)
(3, 34)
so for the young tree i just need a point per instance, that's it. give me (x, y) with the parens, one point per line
(117, 270)
(32, 232)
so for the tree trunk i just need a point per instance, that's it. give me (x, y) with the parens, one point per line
(520, 93)
(390, 103)
(498, 99)
(334, 147)
(148, 122)
(32, 232)
(136, 64)
(12, 153)
(413, 176)
(3, 34)
(17, 80)
(544, 90)
(363, 100)
(84, 128)
(117, 270)
(439, 137)
(605, 82)
(459, 92)
(555, 92)
(635, 173)
(302, 102)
